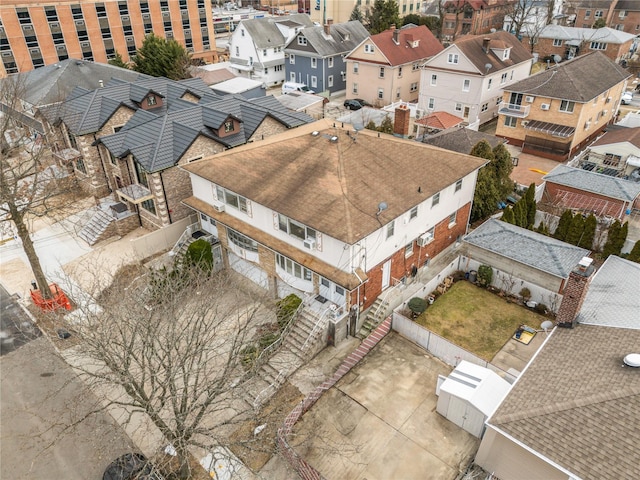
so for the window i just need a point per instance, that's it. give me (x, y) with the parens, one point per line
(466, 85)
(415, 66)
(294, 228)
(293, 268)
(431, 103)
(510, 121)
(228, 126)
(144, 7)
(151, 100)
(489, 84)
(452, 219)
(557, 42)
(149, 206)
(381, 72)
(330, 80)
(435, 200)
(598, 46)
(76, 11)
(356, 65)
(567, 106)
(414, 87)
(264, 52)
(598, 14)
(434, 80)
(52, 16)
(355, 88)
(413, 213)
(123, 8)
(612, 160)
(380, 93)
(237, 51)
(408, 249)
(314, 82)
(80, 166)
(314, 63)
(242, 32)
(242, 241)
(398, 93)
(232, 199)
(368, 48)
(390, 229)
(302, 40)
(485, 107)
(458, 186)
(400, 72)
(498, 100)
(164, 5)
(587, 13)
(458, 107)
(503, 79)
(292, 59)
(452, 58)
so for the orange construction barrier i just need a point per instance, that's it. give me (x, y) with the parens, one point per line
(58, 299)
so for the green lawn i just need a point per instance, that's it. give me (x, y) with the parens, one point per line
(476, 319)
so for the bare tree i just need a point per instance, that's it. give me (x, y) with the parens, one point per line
(178, 346)
(520, 14)
(31, 184)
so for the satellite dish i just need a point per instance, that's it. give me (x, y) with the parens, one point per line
(488, 66)
(632, 360)
(546, 325)
(357, 126)
(557, 58)
(382, 206)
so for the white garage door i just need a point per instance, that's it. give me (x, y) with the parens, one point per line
(249, 270)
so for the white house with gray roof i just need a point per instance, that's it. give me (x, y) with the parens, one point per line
(256, 49)
(522, 258)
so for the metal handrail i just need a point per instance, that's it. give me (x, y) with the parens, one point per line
(282, 375)
(183, 238)
(316, 328)
(384, 299)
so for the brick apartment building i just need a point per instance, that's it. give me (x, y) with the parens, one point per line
(473, 17)
(34, 34)
(618, 14)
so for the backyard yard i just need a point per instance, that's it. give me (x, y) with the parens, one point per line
(476, 319)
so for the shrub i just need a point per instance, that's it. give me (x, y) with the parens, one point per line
(199, 254)
(267, 339)
(525, 293)
(286, 307)
(485, 275)
(417, 305)
(249, 354)
(541, 308)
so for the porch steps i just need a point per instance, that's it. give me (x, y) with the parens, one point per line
(375, 316)
(96, 227)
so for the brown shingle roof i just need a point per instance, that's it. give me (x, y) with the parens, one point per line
(580, 80)
(404, 52)
(336, 187)
(471, 47)
(631, 135)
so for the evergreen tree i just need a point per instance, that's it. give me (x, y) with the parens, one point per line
(530, 205)
(589, 233)
(508, 215)
(542, 229)
(486, 195)
(611, 247)
(161, 57)
(386, 126)
(482, 149)
(634, 255)
(563, 225)
(118, 62)
(382, 15)
(356, 14)
(503, 166)
(575, 230)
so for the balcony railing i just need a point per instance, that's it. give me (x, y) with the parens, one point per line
(514, 110)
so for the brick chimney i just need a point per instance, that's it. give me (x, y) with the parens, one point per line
(574, 293)
(485, 44)
(401, 121)
(327, 26)
(396, 36)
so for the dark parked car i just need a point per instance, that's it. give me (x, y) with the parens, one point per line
(356, 104)
(131, 466)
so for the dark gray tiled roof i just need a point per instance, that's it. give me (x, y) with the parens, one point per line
(593, 182)
(342, 38)
(580, 80)
(526, 247)
(461, 140)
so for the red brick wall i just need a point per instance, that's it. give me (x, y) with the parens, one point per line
(573, 296)
(587, 201)
(544, 47)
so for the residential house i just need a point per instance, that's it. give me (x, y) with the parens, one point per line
(385, 67)
(575, 409)
(473, 17)
(461, 140)
(340, 10)
(623, 15)
(329, 212)
(315, 56)
(521, 258)
(531, 16)
(256, 48)
(590, 192)
(436, 122)
(569, 42)
(128, 139)
(467, 79)
(616, 153)
(558, 111)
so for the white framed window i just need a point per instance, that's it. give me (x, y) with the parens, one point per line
(415, 66)
(400, 72)
(330, 80)
(381, 72)
(294, 228)
(302, 40)
(587, 13)
(452, 58)
(434, 80)
(242, 32)
(354, 89)
(314, 62)
(567, 106)
(458, 107)
(598, 46)
(293, 268)
(414, 87)
(466, 85)
(452, 219)
(237, 51)
(458, 186)
(503, 78)
(408, 249)
(598, 14)
(314, 82)
(397, 93)
(435, 200)
(485, 107)
(489, 83)
(330, 62)
(381, 93)
(356, 66)
(557, 42)
(292, 59)
(232, 199)
(369, 48)
(432, 103)
(510, 122)
(390, 229)
(505, 53)
(413, 213)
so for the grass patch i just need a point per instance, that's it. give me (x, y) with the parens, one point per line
(476, 319)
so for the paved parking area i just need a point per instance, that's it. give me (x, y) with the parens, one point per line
(379, 421)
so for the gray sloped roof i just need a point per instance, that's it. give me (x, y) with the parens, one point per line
(593, 182)
(605, 34)
(265, 33)
(342, 38)
(461, 139)
(580, 80)
(529, 248)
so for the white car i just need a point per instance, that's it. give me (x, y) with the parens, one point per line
(626, 98)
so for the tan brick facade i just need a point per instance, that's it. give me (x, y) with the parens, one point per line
(544, 47)
(38, 34)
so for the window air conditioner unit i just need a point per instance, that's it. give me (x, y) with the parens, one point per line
(125, 18)
(85, 44)
(61, 47)
(54, 25)
(79, 22)
(218, 206)
(604, 112)
(424, 239)
(528, 99)
(310, 243)
(146, 15)
(524, 123)
(545, 106)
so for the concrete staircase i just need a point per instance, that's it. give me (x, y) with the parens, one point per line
(96, 228)
(375, 316)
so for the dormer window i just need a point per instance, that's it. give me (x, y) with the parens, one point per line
(228, 126)
(505, 53)
(368, 48)
(302, 40)
(151, 100)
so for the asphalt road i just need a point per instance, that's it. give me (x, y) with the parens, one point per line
(16, 328)
(39, 397)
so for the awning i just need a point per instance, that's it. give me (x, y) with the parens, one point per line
(135, 193)
(246, 68)
(553, 129)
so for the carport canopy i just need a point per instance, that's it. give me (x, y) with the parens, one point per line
(554, 129)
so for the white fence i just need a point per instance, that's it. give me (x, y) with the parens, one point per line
(440, 347)
(161, 239)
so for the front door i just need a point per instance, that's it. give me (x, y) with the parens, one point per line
(466, 113)
(386, 274)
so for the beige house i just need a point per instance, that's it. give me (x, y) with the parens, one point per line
(340, 10)
(385, 68)
(559, 111)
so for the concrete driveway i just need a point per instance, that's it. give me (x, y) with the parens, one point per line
(379, 421)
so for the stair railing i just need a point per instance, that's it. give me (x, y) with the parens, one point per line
(316, 328)
(383, 302)
(263, 395)
(183, 238)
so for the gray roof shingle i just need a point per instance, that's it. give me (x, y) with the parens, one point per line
(265, 33)
(526, 247)
(593, 182)
(461, 139)
(342, 38)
